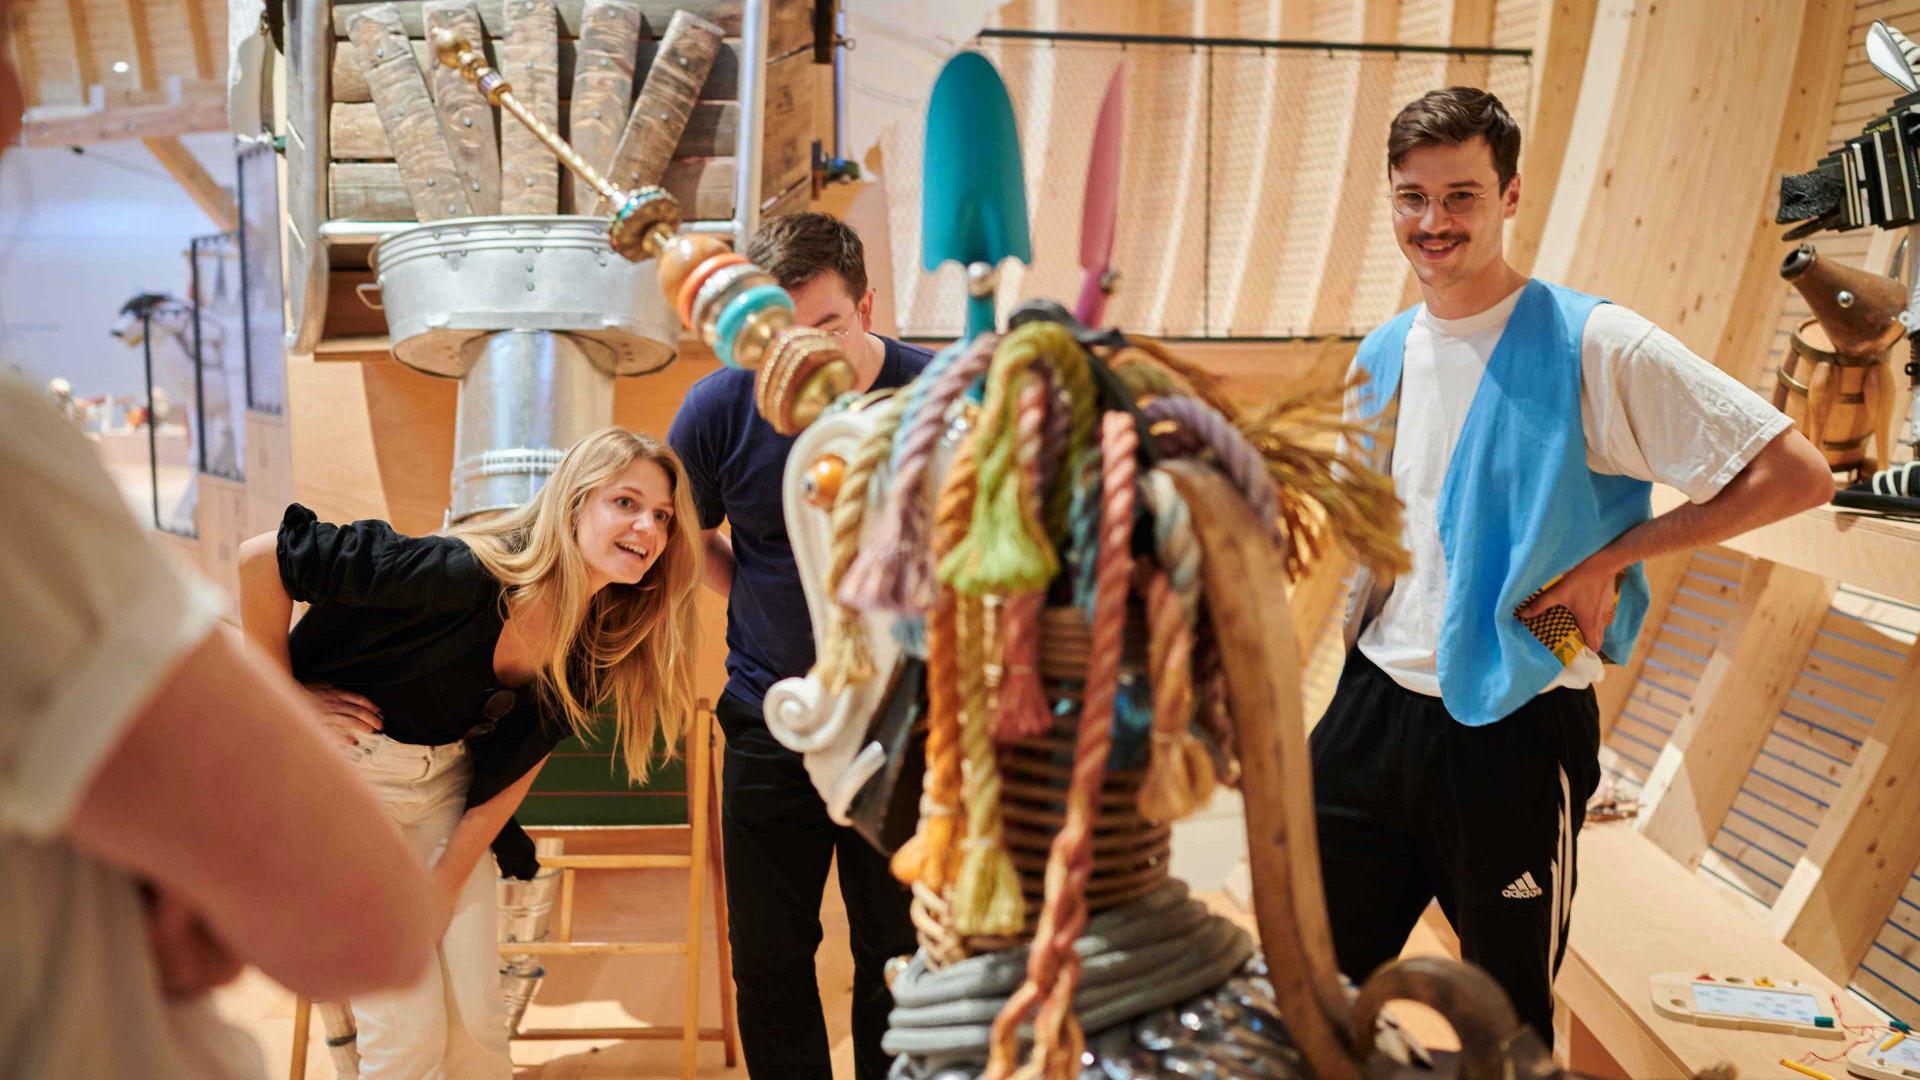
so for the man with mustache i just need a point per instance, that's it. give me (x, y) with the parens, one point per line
(1522, 423)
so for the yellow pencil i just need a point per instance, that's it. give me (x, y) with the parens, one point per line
(1893, 1040)
(1799, 1068)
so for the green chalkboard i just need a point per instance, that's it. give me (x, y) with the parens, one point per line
(585, 784)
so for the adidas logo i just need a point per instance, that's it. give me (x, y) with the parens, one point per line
(1522, 888)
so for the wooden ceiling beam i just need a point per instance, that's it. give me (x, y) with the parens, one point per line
(85, 66)
(195, 107)
(24, 60)
(144, 74)
(197, 32)
(187, 171)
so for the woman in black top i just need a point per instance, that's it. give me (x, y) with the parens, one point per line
(449, 666)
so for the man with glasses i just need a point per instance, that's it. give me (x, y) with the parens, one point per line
(777, 837)
(1523, 424)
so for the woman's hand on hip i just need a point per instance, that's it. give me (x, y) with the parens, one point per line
(348, 715)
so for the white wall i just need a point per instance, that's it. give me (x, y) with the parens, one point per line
(79, 236)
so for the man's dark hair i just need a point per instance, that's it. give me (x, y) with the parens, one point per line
(1451, 117)
(796, 248)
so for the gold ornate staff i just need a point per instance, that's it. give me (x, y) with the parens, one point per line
(647, 218)
(800, 368)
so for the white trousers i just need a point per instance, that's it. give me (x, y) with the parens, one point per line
(452, 1023)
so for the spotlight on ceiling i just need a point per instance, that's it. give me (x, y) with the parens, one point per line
(121, 67)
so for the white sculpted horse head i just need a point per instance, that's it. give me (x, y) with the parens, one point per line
(829, 730)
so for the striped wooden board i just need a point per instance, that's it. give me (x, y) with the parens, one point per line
(1681, 645)
(1806, 759)
(1890, 975)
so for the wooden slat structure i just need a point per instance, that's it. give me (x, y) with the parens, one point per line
(102, 70)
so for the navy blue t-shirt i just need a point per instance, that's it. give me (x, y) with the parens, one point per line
(735, 462)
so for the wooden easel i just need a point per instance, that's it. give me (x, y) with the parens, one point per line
(704, 869)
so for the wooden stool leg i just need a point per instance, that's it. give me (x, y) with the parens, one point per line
(302, 1020)
(723, 947)
(699, 753)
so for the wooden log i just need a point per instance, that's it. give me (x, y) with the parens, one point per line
(349, 83)
(723, 82)
(602, 89)
(406, 113)
(792, 201)
(358, 136)
(1290, 904)
(374, 191)
(666, 101)
(465, 116)
(530, 60)
(571, 15)
(1734, 707)
(787, 130)
(308, 39)
(790, 24)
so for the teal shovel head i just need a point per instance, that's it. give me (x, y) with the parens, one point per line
(973, 193)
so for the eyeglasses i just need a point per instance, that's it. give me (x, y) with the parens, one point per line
(1455, 203)
(842, 332)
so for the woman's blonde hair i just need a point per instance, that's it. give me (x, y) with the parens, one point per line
(634, 644)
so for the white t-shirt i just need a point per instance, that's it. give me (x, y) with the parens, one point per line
(1652, 410)
(93, 617)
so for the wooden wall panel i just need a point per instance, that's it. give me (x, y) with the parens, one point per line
(1857, 865)
(1728, 718)
(1890, 974)
(1676, 648)
(1812, 83)
(1808, 757)
(1679, 115)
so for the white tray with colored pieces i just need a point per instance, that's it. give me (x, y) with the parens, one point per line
(1753, 1004)
(1899, 1061)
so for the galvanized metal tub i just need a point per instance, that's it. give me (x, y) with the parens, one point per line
(446, 285)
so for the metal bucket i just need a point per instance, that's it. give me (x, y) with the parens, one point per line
(447, 283)
(526, 909)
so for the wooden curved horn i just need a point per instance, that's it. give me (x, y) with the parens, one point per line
(1494, 1045)
(1263, 694)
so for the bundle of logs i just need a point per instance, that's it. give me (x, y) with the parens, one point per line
(411, 139)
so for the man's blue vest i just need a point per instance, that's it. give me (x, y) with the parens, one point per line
(1519, 506)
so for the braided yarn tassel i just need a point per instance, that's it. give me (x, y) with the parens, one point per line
(1053, 967)
(927, 858)
(986, 891)
(1180, 776)
(1238, 457)
(894, 570)
(1023, 712)
(1006, 551)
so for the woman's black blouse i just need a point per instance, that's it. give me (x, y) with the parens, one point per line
(411, 623)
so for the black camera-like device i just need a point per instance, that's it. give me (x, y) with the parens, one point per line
(1872, 179)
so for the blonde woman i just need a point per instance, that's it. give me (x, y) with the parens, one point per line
(448, 666)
